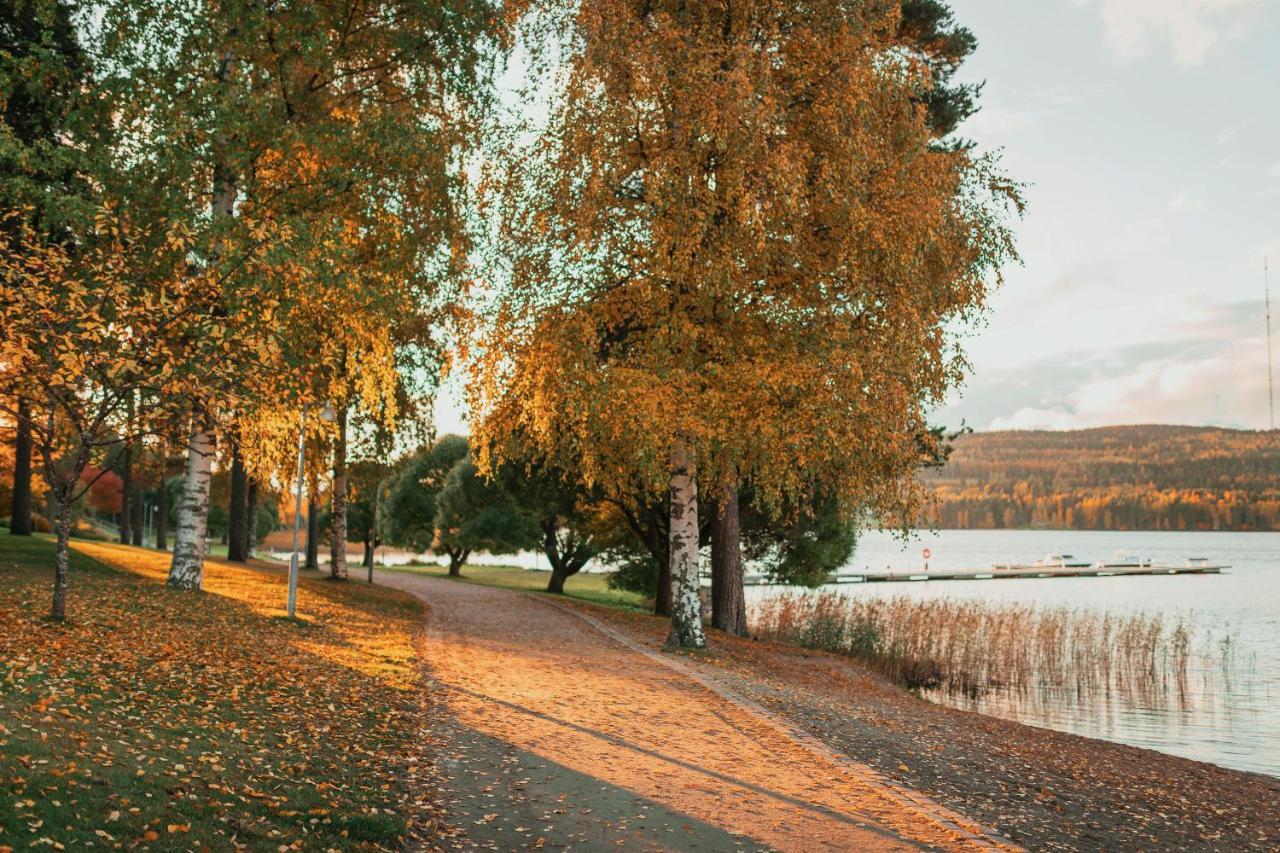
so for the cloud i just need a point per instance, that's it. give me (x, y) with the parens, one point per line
(1182, 202)
(1189, 29)
(1211, 370)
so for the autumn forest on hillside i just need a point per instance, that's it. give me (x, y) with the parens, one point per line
(1111, 478)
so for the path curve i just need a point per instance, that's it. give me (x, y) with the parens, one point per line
(556, 731)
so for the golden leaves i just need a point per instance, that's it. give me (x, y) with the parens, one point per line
(170, 720)
(735, 229)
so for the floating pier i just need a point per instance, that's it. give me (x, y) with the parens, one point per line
(1008, 572)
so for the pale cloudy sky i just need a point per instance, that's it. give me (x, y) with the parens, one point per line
(1148, 132)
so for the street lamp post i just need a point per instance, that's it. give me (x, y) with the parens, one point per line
(326, 414)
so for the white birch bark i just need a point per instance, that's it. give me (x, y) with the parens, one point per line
(186, 570)
(686, 610)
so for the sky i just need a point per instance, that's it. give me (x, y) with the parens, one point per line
(1147, 134)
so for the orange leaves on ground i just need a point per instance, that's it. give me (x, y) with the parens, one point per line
(157, 718)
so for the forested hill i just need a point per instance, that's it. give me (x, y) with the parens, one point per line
(1113, 478)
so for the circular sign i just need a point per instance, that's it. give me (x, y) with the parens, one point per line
(927, 553)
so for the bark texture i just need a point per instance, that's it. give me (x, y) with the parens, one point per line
(20, 516)
(62, 528)
(250, 519)
(126, 492)
(686, 616)
(236, 516)
(186, 570)
(312, 560)
(662, 601)
(728, 601)
(338, 518)
(162, 516)
(566, 553)
(138, 509)
(457, 559)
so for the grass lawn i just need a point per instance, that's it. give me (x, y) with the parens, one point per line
(591, 587)
(156, 719)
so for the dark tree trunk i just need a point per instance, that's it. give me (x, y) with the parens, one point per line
(367, 562)
(162, 515)
(20, 520)
(126, 492)
(662, 601)
(457, 559)
(61, 527)
(338, 516)
(236, 516)
(313, 535)
(565, 561)
(251, 519)
(138, 508)
(728, 603)
(558, 576)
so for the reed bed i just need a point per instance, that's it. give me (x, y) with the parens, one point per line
(974, 648)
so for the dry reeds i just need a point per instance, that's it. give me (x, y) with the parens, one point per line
(973, 648)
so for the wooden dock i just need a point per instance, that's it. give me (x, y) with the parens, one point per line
(1023, 572)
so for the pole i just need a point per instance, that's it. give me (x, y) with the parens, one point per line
(297, 516)
(1271, 388)
(373, 545)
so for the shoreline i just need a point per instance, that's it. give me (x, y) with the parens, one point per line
(1039, 787)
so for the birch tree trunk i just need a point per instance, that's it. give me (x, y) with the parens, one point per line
(236, 515)
(338, 519)
(686, 612)
(186, 570)
(62, 528)
(20, 517)
(728, 601)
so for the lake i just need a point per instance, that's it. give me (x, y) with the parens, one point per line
(1232, 721)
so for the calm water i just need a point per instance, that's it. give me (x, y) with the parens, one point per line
(1234, 722)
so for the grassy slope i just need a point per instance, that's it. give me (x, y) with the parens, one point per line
(591, 587)
(159, 719)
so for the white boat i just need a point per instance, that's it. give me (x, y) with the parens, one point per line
(1121, 560)
(1059, 561)
(1050, 561)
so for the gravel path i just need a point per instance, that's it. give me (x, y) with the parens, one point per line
(552, 734)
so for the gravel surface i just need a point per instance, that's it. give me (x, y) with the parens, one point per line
(551, 734)
(1042, 789)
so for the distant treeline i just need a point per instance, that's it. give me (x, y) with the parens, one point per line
(1112, 478)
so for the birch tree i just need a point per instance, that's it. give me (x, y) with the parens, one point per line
(329, 138)
(733, 251)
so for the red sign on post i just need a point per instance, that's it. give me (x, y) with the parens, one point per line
(927, 553)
